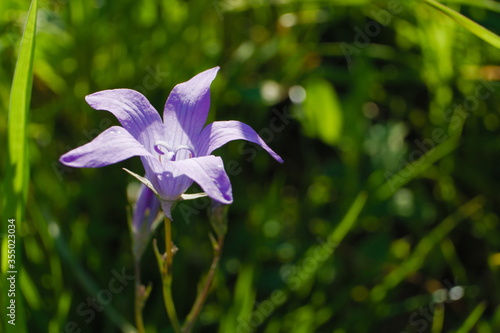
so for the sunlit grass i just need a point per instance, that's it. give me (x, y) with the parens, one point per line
(390, 154)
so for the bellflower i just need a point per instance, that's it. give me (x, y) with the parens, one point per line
(174, 152)
(144, 219)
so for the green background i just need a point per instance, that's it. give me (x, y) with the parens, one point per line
(384, 82)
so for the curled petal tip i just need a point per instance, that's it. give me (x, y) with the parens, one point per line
(228, 201)
(226, 198)
(70, 159)
(62, 160)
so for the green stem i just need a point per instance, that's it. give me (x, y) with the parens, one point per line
(165, 266)
(139, 298)
(200, 299)
(169, 304)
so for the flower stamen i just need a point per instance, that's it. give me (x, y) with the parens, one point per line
(162, 148)
(169, 152)
(163, 144)
(184, 148)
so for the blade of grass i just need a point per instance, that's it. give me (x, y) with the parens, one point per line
(17, 168)
(243, 301)
(349, 219)
(410, 171)
(485, 4)
(16, 181)
(424, 247)
(47, 245)
(473, 318)
(332, 241)
(450, 254)
(239, 6)
(467, 23)
(438, 318)
(314, 253)
(85, 280)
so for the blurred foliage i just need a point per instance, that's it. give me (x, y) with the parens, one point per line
(383, 218)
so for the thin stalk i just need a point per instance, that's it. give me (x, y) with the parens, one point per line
(165, 266)
(200, 299)
(168, 244)
(169, 304)
(139, 298)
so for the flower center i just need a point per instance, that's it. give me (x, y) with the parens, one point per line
(180, 153)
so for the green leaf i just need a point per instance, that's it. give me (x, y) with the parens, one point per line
(410, 171)
(90, 286)
(467, 23)
(17, 168)
(438, 319)
(329, 245)
(322, 113)
(485, 4)
(16, 182)
(424, 248)
(349, 220)
(473, 318)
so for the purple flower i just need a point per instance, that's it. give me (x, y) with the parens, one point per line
(144, 219)
(174, 152)
(146, 209)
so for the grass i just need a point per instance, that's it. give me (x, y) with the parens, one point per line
(386, 202)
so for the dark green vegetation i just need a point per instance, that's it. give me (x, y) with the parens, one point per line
(384, 213)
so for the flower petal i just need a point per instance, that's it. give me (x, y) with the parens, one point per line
(146, 208)
(166, 179)
(209, 173)
(187, 108)
(219, 133)
(111, 146)
(144, 221)
(134, 112)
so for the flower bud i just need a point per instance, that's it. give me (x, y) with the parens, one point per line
(217, 214)
(144, 219)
